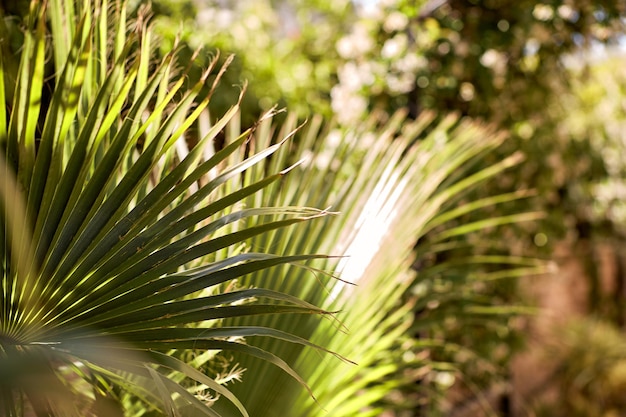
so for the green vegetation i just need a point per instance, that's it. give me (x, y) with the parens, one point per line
(389, 191)
(122, 244)
(590, 373)
(174, 244)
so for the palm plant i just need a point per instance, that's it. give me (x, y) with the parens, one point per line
(118, 249)
(393, 181)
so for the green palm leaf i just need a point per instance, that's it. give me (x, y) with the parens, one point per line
(123, 267)
(393, 182)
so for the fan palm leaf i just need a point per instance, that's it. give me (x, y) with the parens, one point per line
(113, 243)
(394, 182)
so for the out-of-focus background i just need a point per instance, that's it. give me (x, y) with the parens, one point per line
(551, 75)
(500, 125)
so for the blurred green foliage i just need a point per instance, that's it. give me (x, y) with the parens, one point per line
(499, 61)
(284, 48)
(595, 113)
(590, 372)
(516, 64)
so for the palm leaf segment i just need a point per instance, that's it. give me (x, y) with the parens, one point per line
(119, 250)
(393, 181)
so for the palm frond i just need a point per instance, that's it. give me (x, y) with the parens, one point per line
(393, 183)
(124, 265)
